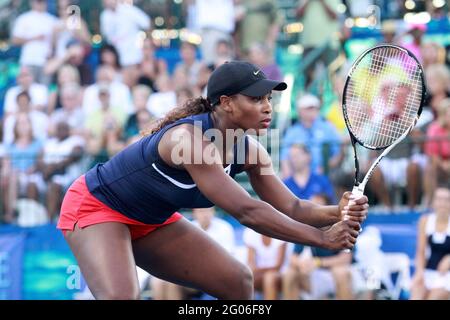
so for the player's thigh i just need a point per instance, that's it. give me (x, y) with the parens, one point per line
(184, 254)
(105, 258)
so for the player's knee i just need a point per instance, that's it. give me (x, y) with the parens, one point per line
(242, 284)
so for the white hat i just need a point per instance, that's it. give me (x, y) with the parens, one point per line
(307, 101)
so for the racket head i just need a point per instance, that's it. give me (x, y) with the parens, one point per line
(383, 96)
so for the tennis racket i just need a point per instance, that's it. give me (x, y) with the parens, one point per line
(382, 101)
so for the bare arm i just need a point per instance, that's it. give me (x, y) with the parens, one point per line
(272, 190)
(260, 216)
(421, 245)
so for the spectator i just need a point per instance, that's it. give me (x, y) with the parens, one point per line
(104, 128)
(144, 120)
(59, 165)
(431, 280)
(303, 183)
(38, 119)
(66, 74)
(266, 257)
(33, 31)
(151, 67)
(19, 165)
(121, 24)
(38, 92)
(320, 21)
(109, 56)
(416, 31)
(432, 53)
(388, 30)
(219, 230)
(257, 22)
(140, 94)
(259, 54)
(317, 272)
(438, 86)
(71, 110)
(74, 55)
(437, 149)
(216, 20)
(187, 71)
(165, 99)
(70, 27)
(398, 169)
(311, 130)
(120, 94)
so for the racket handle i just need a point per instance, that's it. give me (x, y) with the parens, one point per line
(357, 192)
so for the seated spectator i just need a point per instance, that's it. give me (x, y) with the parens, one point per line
(144, 120)
(311, 130)
(431, 280)
(74, 55)
(316, 272)
(120, 94)
(66, 74)
(38, 92)
(104, 127)
(19, 166)
(151, 67)
(189, 67)
(399, 169)
(437, 78)
(165, 99)
(304, 183)
(38, 119)
(437, 148)
(219, 230)
(59, 165)
(266, 258)
(260, 55)
(109, 56)
(140, 96)
(71, 110)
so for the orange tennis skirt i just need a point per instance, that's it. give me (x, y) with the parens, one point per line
(81, 208)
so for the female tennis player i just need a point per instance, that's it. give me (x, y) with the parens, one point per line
(123, 213)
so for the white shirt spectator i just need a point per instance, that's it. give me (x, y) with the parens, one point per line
(266, 256)
(74, 118)
(39, 122)
(215, 14)
(32, 24)
(121, 28)
(56, 151)
(38, 94)
(120, 97)
(222, 232)
(160, 103)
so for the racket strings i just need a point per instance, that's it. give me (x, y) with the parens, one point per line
(379, 82)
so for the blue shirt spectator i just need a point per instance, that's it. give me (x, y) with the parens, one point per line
(317, 184)
(313, 131)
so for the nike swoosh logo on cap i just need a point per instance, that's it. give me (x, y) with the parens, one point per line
(256, 72)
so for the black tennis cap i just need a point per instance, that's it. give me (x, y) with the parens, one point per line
(235, 77)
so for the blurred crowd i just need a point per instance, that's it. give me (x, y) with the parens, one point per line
(65, 113)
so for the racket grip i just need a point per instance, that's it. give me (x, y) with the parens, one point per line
(357, 192)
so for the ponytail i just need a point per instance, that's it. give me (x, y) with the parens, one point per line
(190, 108)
